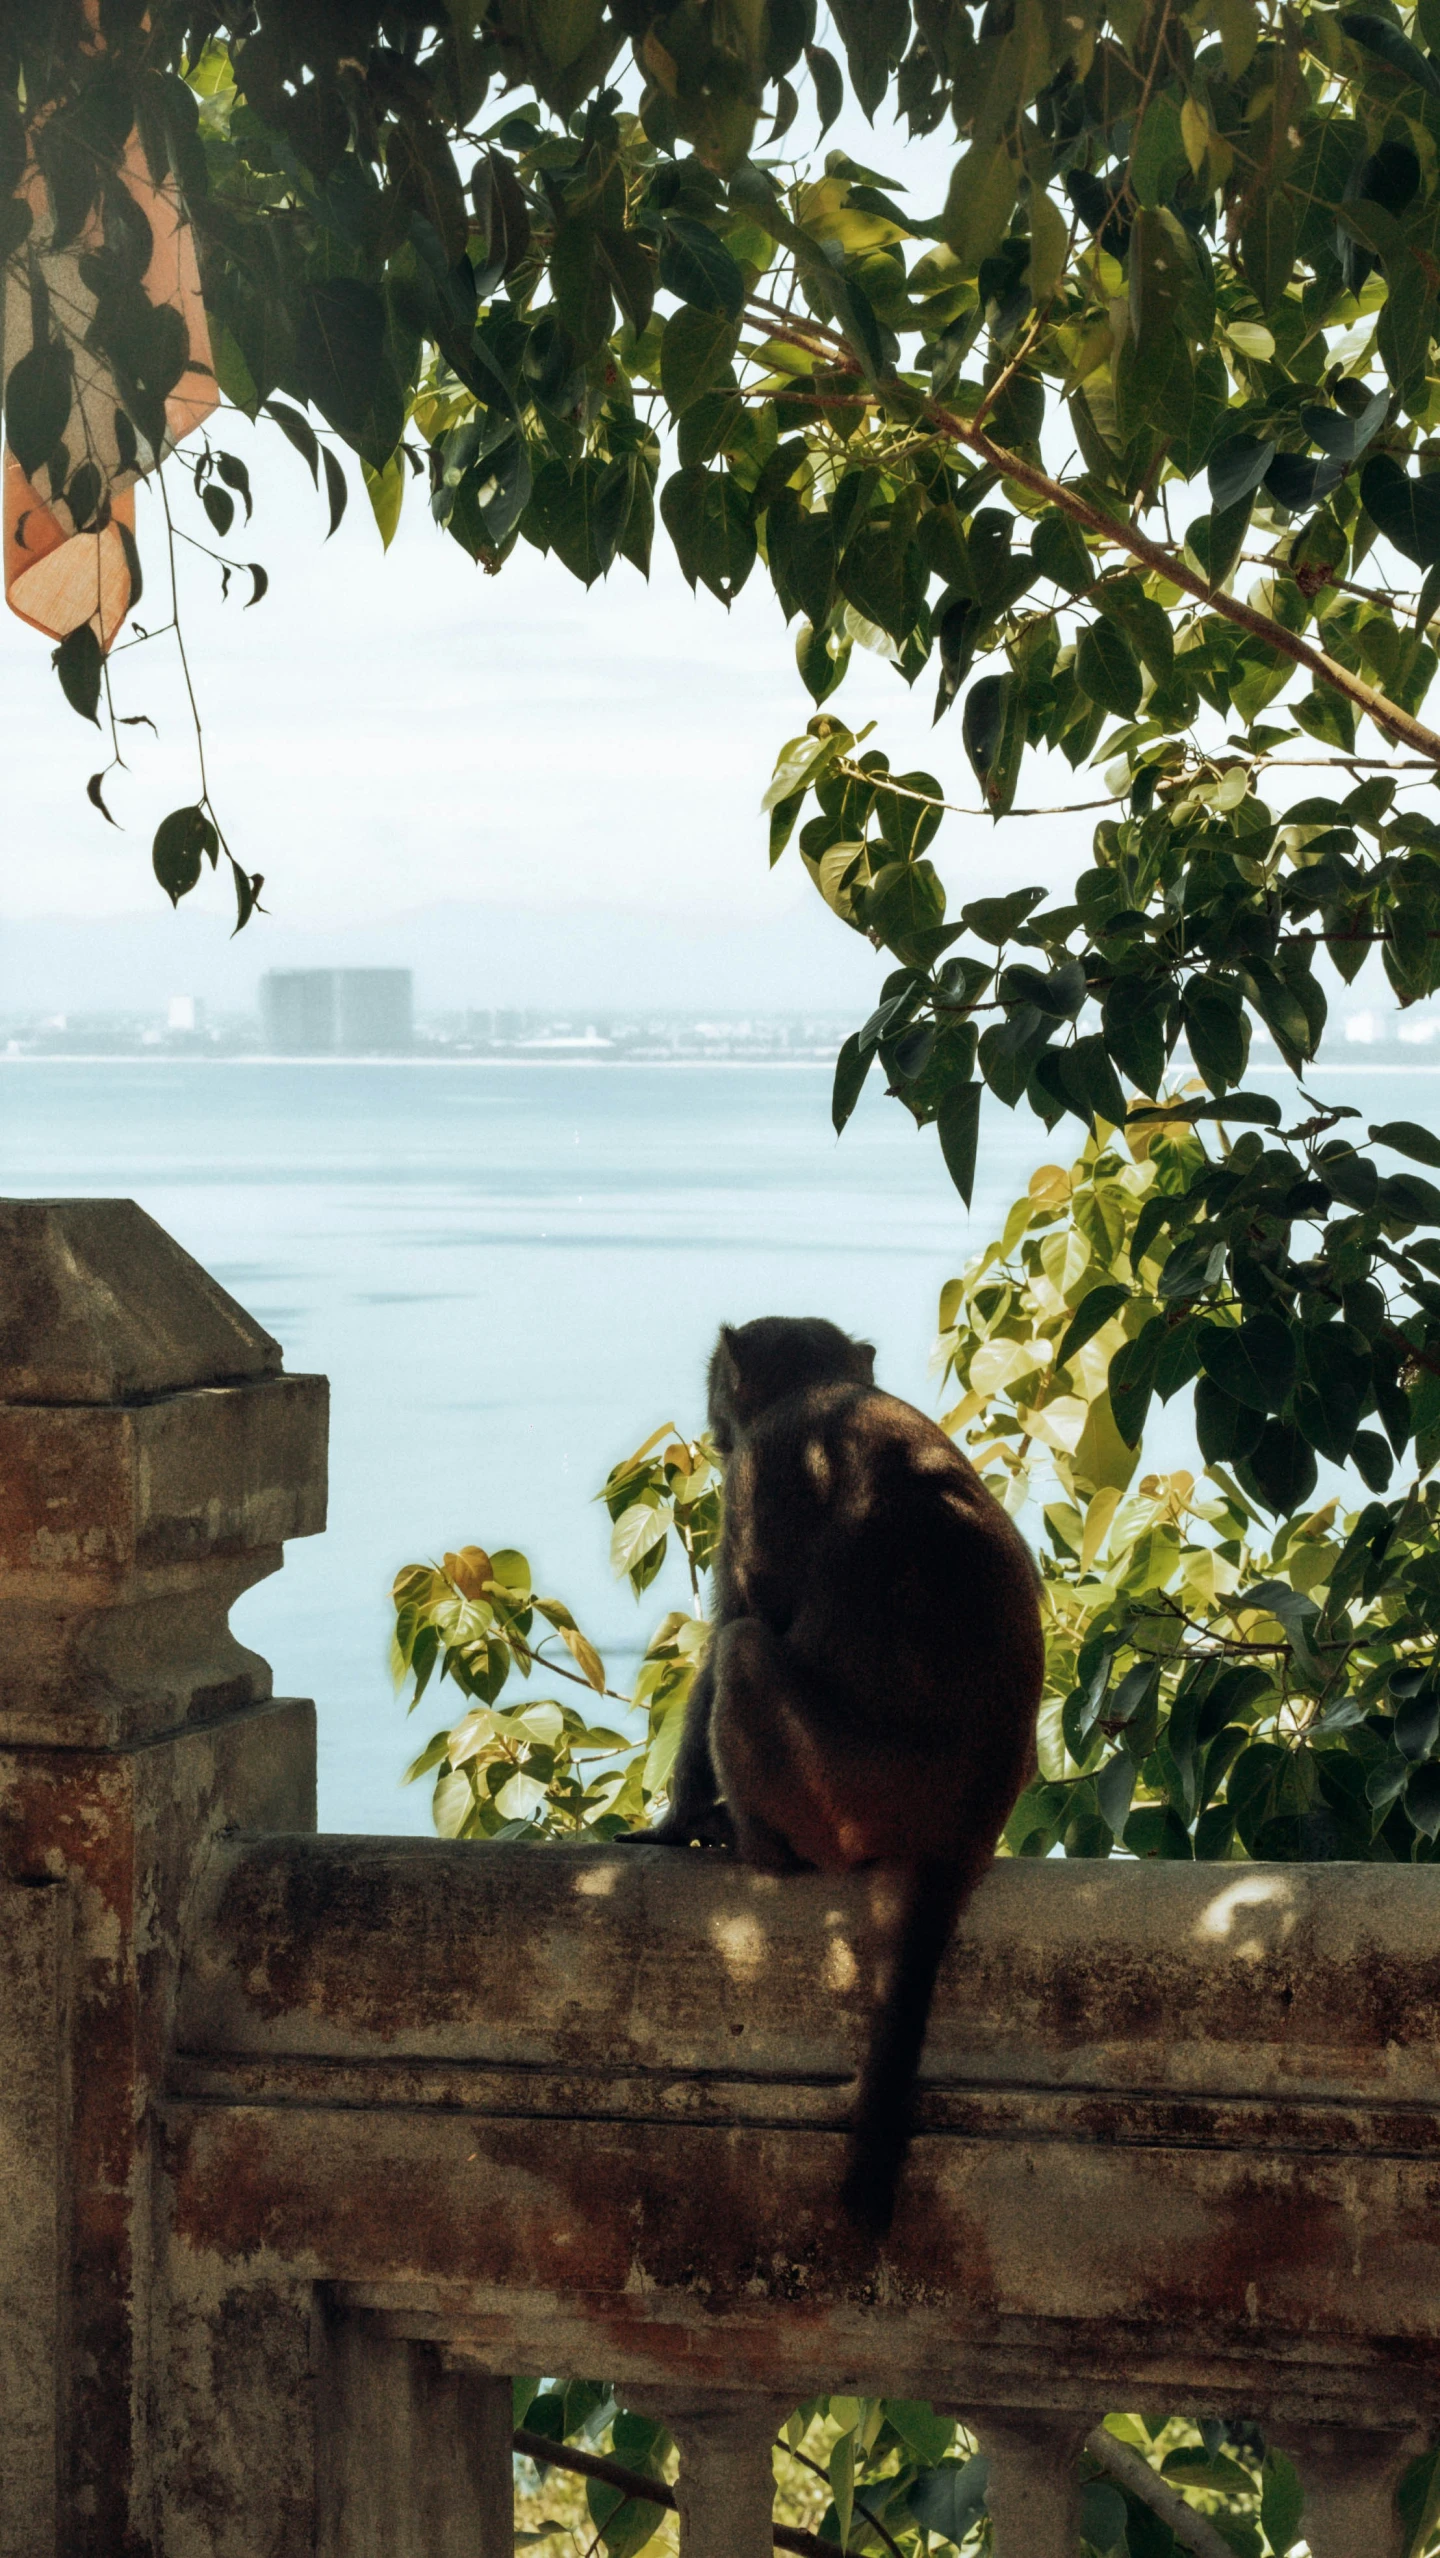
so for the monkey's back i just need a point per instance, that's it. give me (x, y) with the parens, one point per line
(864, 1539)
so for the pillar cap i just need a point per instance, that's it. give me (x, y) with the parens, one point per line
(98, 1305)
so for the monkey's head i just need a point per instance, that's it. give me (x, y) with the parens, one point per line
(757, 1364)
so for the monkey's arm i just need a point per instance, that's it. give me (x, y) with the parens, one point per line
(695, 1813)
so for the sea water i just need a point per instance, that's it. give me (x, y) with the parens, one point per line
(512, 1274)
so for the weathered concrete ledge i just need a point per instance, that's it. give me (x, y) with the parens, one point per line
(580, 2110)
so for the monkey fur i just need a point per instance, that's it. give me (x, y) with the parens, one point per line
(870, 1690)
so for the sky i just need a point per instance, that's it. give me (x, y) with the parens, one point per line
(524, 791)
(531, 795)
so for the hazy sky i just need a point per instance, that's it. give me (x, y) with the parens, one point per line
(522, 790)
(392, 735)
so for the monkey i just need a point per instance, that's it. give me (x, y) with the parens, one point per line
(869, 1693)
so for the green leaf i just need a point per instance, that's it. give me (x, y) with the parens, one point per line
(1226, 1430)
(1060, 992)
(183, 840)
(336, 492)
(1090, 1083)
(1059, 553)
(38, 398)
(1093, 1312)
(220, 508)
(707, 516)
(904, 901)
(1417, 2501)
(1280, 1469)
(1133, 1014)
(958, 1122)
(698, 269)
(581, 285)
(1235, 471)
(78, 661)
(851, 1068)
(583, 513)
(1422, 1799)
(1404, 1137)
(1107, 669)
(1049, 245)
(386, 492)
(1217, 540)
(1132, 1380)
(345, 369)
(631, 270)
(842, 2484)
(695, 351)
(1339, 434)
(1008, 1052)
(298, 431)
(1254, 1361)
(1282, 2498)
(1215, 1027)
(950, 2500)
(1407, 511)
(1383, 38)
(1268, 245)
(878, 575)
(980, 201)
(829, 85)
(998, 919)
(924, 2433)
(993, 731)
(1405, 1195)
(1161, 267)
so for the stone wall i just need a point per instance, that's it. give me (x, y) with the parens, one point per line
(309, 2142)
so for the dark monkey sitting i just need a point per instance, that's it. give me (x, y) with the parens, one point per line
(870, 1690)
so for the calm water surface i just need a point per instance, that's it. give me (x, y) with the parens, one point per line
(511, 1274)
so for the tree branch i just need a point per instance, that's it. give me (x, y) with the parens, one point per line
(651, 2491)
(1117, 2459)
(1130, 2470)
(1125, 536)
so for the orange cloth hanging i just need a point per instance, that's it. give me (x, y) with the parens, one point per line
(57, 577)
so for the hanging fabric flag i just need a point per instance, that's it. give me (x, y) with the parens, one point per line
(105, 360)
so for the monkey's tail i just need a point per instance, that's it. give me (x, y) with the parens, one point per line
(936, 1892)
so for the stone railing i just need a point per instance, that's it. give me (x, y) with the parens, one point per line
(310, 2141)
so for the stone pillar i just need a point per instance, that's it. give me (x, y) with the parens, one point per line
(415, 2457)
(152, 1461)
(34, 2131)
(1034, 2489)
(1350, 2475)
(726, 2486)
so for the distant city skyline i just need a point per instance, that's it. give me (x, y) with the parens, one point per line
(335, 1014)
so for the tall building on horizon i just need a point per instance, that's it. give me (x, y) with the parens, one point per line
(374, 1010)
(328, 1012)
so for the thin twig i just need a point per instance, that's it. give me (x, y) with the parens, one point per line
(648, 2491)
(1139, 118)
(199, 727)
(860, 2506)
(902, 790)
(1004, 379)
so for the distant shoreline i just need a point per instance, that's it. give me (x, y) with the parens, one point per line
(611, 1065)
(591, 1065)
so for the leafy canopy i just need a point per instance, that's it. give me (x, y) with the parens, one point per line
(1128, 443)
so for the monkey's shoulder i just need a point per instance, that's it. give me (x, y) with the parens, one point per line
(834, 1433)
